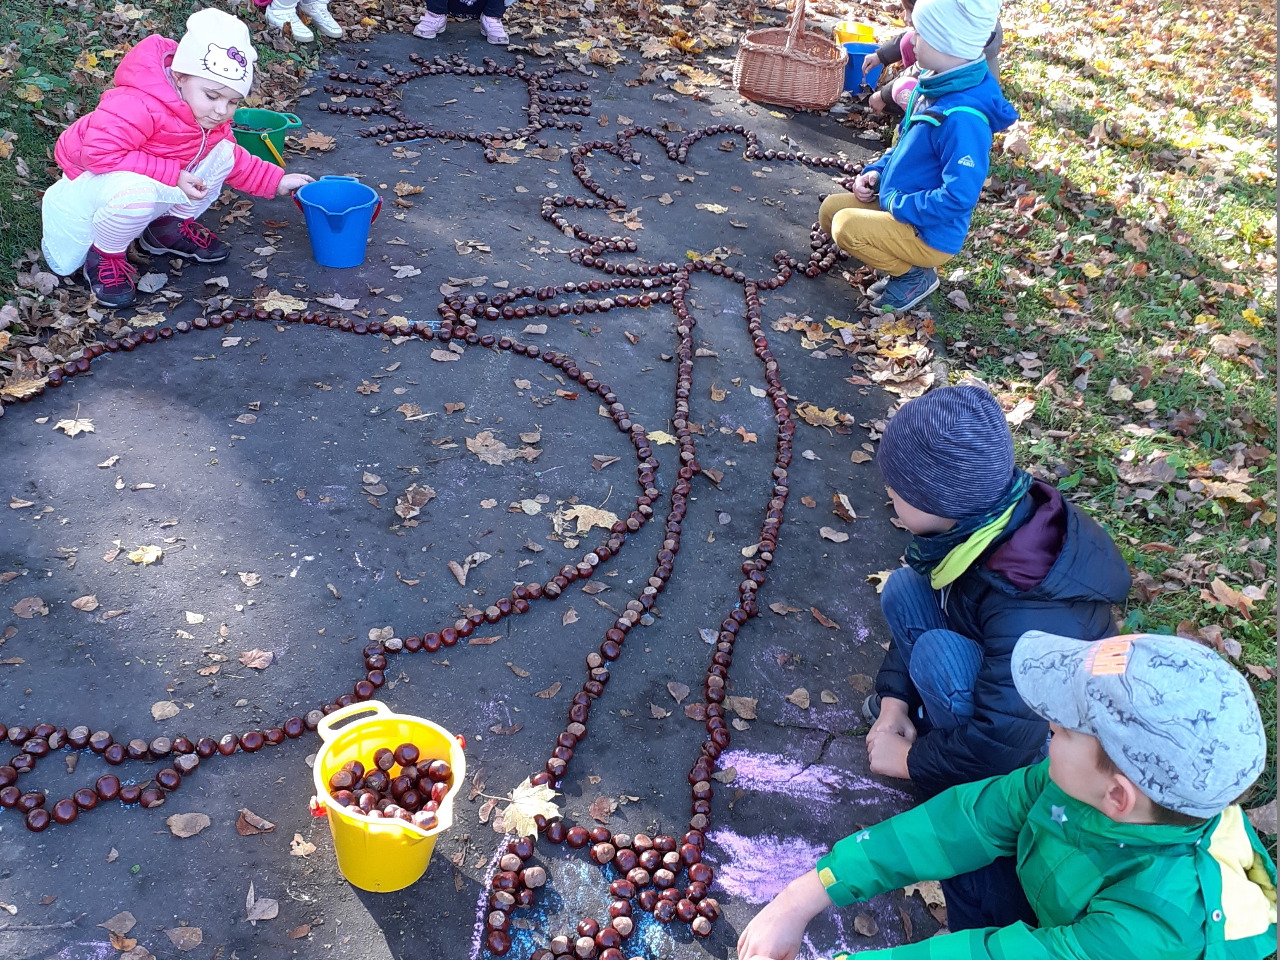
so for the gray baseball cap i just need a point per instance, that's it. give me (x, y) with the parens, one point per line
(1177, 719)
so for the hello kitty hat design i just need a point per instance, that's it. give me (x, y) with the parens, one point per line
(216, 47)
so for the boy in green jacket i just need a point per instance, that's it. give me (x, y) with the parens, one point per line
(1127, 841)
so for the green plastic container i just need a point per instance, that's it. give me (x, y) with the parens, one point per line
(262, 132)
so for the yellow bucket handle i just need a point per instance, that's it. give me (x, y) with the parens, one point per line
(325, 726)
(280, 160)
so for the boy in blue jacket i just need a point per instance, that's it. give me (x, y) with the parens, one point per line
(909, 211)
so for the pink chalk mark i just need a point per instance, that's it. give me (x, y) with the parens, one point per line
(773, 773)
(755, 869)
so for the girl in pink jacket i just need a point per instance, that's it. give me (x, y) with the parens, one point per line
(154, 155)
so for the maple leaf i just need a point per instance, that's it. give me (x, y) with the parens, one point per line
(315, 140)
(526, 803)
(816, 417)
(74, 427)
(586, 517)
(492, 450)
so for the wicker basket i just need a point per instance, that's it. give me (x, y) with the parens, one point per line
(790, 66)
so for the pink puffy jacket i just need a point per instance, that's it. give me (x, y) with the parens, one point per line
(143, 126)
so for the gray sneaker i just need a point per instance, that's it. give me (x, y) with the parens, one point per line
(871, 708)
(904, 292)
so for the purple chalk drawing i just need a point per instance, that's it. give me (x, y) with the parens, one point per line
(482, 904)
(91, 950)
(811, 783)
(755, 869)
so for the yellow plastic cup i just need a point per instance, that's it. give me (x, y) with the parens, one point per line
(382, 855)
(847, 31)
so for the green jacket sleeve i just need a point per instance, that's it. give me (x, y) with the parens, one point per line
(1110, 929)
(961, 829)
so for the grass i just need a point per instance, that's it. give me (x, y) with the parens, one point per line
(1130, 237)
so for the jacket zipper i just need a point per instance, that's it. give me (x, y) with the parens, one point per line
(204, 138)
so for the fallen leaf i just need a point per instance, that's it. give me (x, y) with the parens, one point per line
(259, 909)
(835, 536)
(298, 847)
(518, 671)
(454, 407)
(864, 923)
(816, 417)
(659, 437)
(16, 504)
(781, 609)
(257, 659)
(601, 807)
(145, 556)
(745, 707)
(1263, 818)
(249, 824)
(710, 207)
(800, 697)
(859, 456)
(657, 713)
(415, 497)
(315, 140)
(493, 451)
(194, 618)
(120, 924)
(528, 802)
(727, 775)
(825, 621)
(878, 579)
(29, 607)
(550, 692)
(746, 437)
(339, 302)
(164, 710)
(74, 427)
(250, 579)
(187, 824)
(297, 933)
(460, 570)
(483, 641)
(826, 696)
(185, 938)
(585, 517)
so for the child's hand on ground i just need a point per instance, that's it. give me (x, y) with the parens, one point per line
(887, 755)
(194, 187)
(777, 930)
(894, 720)
(876, 102)
(866, 185)
(291, 182)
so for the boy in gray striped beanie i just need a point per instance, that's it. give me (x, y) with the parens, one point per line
(993, 554)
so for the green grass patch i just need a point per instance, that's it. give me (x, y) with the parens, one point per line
(1121, 284)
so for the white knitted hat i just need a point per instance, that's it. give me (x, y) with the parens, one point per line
(216, 47)
(960, 28)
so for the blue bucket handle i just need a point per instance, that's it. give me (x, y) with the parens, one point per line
(340, 214)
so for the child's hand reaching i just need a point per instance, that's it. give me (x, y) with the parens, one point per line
(890, 739)
(194, 187)
(876, 102)
(291, 182)
(778, 929)
(869, 63)
(866, 186)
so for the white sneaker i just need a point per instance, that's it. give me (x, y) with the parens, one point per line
(317, 12)
(876, 290)
(430, 26)
(493, 31)
(278, 16)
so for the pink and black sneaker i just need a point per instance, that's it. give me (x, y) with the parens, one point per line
(183, 238)
(111, 277)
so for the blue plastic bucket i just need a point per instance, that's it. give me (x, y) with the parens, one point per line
(339, 212)
(853, 80)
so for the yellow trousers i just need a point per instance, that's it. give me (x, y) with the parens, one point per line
(873, 236)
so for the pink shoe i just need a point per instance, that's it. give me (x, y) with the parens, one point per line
(493, 31)
(430, 26)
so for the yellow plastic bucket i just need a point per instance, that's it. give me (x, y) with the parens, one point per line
(382, 855)
(847, 31)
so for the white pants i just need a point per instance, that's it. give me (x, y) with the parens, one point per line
(110, 210)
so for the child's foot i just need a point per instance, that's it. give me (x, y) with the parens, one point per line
(317, 12)
(430, 26)
(904, 292)
(494, 31)
(183, 238)
(871, 708)
(876, 290)
(111, 277)
(278, 16)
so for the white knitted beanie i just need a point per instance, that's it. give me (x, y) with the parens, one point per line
(960, 28)
(216, 47)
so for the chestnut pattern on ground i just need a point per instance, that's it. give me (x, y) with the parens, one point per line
(662, 875)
